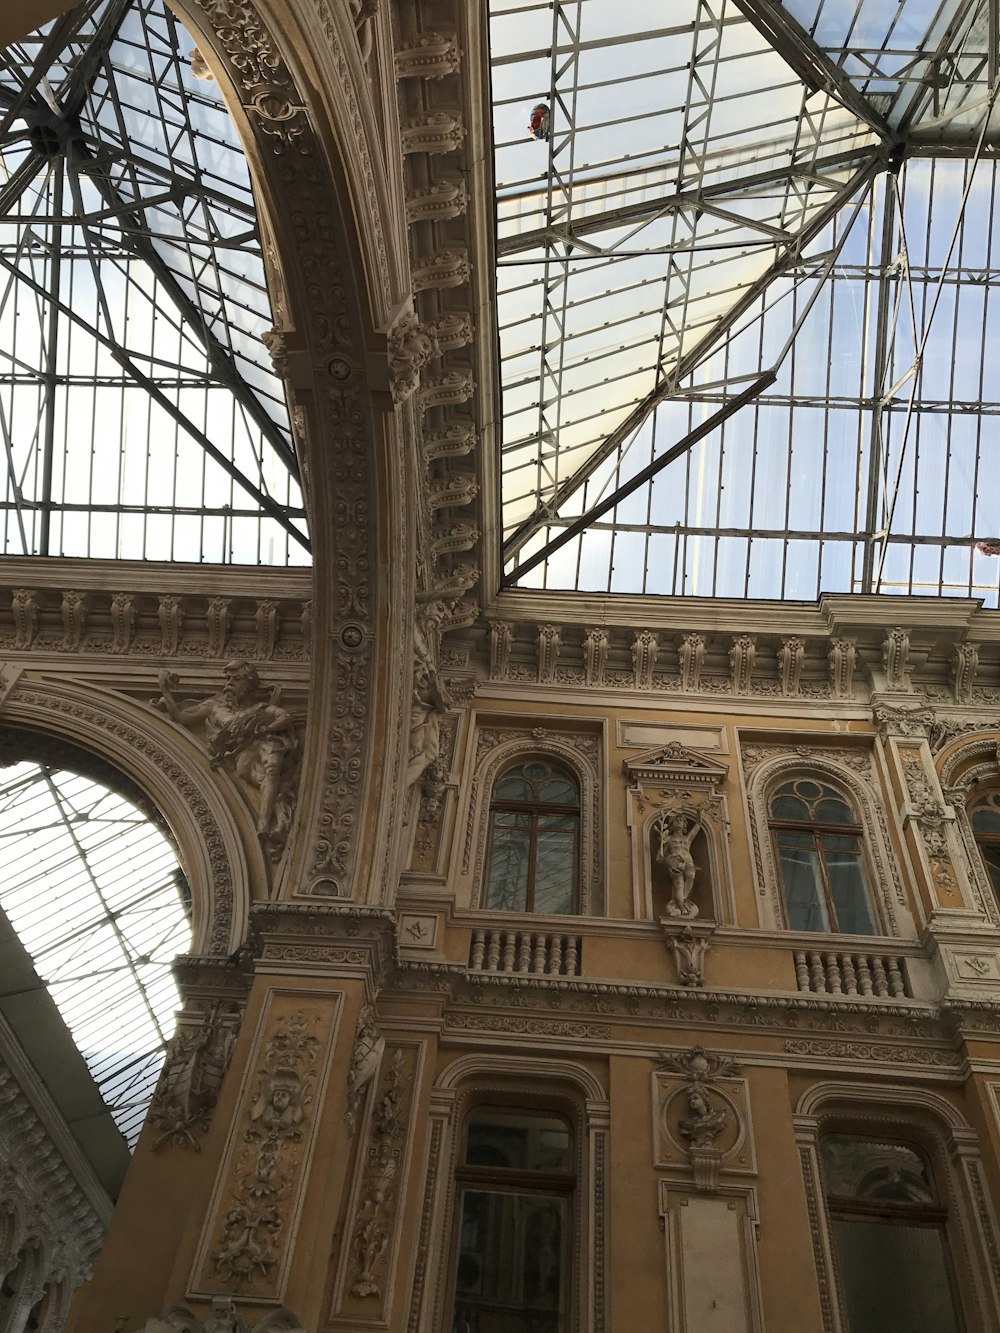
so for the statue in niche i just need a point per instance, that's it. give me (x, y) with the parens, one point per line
(253, 736)
(677, 833)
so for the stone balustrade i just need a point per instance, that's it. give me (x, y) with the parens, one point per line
(831, 972)
(533, 953)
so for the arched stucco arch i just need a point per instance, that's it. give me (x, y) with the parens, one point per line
(216, 840)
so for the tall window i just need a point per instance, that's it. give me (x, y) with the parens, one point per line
(534, 840)
(889, 1232)
(817, 842)
(984, 815)
(515, 1196)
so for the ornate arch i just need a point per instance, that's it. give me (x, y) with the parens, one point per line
(310, 139)
(887, 886)
(580, 754)
(972, 761)
(218, 846)
(954, 1149)
(471, 1077)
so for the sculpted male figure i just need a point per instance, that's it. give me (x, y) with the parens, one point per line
(257, 738)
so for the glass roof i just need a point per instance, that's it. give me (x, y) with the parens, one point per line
(722, 268)
(139, 414)
(96, 896)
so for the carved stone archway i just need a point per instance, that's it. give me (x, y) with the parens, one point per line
(333, 285)
(217, 844)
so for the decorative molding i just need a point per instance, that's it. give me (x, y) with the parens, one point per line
(895, 657)
(841, 658)
(644, 651)
(224, 1318)
(595, 655)
(430, 55)
(369, 1043)
(741, 660)
(689, 945)
(791, 656)
(432, 132)
(964, 670)
(692, 658)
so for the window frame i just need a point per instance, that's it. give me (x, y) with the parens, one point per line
(984, 839)
(819, 829)
(535, 810)
(892, 1212)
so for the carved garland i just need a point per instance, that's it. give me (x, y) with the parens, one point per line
(787, 763)
(496, 749)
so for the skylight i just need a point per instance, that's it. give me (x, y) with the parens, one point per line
(97, 898)
(139, 414)
(725, 255)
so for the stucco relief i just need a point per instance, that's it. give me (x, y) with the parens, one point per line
(701, 1112)
(247, 1241)
(497, 748)
(198, 1056)
(247, 731)
(850, 769)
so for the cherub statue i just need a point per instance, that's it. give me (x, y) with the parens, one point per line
(254, 737)
(675, 854)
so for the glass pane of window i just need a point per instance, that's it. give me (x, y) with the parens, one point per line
(510, 850)
(558, 791)
(990, 852)
(846, 874)
(832, 810)
(802, 884)
(555, 864)
(512, 1267)
(856, 1168)
(895, 1277)
(789, 807)
(512, 786)
(516, 1141)
(986, 819)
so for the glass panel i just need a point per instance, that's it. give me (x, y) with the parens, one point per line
(895, 1277)
(845, 871)
(555, 865)
(512, 787)
(516, 1141)
(856, 1168)
(986, 819)
(789, 807)
(832, 810)
(990, 852)
(512, 1265)
(510, 850)
(803, 887)
(558, 791)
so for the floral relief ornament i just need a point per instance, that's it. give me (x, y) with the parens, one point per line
(253, 1222)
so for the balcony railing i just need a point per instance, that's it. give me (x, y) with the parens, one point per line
(881, 976)
(528, 952)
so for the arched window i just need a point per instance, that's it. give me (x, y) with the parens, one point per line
(817, 844)
(515, 1186)
(889, 1230)
(984, 816)
(534, 840)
